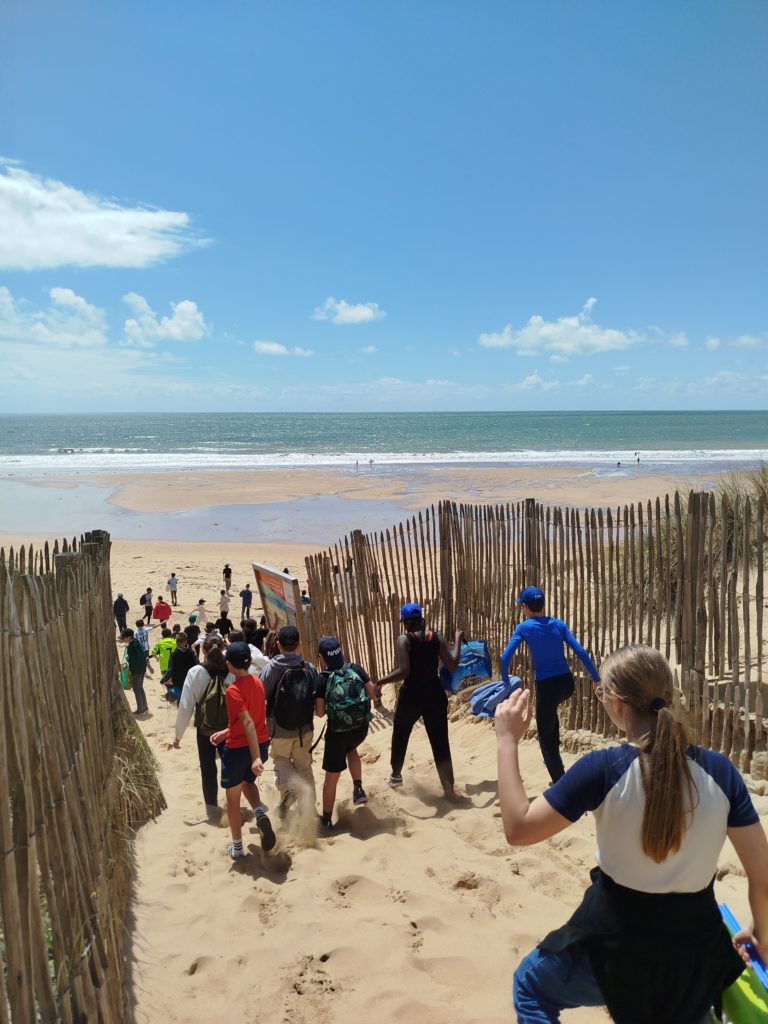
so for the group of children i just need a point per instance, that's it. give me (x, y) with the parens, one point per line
(245, 717)
(648, 940)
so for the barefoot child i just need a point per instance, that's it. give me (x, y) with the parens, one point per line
(246, 748)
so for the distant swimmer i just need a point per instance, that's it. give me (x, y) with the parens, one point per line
(370, 463)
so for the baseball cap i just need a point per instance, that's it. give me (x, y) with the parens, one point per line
(411, 611)
(238, 654)
(288, 636)
(330, 648)
(528, 594)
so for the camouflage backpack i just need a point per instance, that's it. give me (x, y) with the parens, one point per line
(347, 704)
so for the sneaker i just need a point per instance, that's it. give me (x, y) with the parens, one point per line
(359, 797)
(286, 800)
(268, 838)
(326, 824)
(395, 780)
(234, 853)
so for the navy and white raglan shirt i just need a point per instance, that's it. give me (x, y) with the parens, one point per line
(545, 637)
(609, 783)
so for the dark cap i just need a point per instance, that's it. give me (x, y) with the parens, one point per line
(288, 636)
(528, 594)
(238, 654)
(411, 611)
(330, 649)
(126, 633)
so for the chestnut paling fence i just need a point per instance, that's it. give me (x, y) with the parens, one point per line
(76, 778)
(683, 573)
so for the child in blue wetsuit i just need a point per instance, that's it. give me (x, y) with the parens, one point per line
(545, 637)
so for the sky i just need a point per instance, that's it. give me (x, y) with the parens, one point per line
(410, 204)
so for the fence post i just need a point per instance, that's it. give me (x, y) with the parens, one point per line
(530, 544)
(446, 513)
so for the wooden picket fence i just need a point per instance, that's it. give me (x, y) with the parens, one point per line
(76, 778)
(683, 574)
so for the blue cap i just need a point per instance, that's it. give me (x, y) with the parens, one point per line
(411, 611)
(528, 594)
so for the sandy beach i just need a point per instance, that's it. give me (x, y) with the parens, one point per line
(415, 910)
(298, 506)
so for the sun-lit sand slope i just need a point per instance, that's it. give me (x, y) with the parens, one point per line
(414, 911)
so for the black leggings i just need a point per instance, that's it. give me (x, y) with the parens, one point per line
(549, 694)
(432, 707)
(206, 753)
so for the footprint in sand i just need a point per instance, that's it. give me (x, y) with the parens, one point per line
(200, 964)
(488, 892)
(312, 979)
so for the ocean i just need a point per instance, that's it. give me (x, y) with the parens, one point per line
(167, 441)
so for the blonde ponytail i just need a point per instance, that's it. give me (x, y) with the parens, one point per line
(642, 678)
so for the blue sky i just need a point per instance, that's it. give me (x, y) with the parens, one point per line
(352, 206)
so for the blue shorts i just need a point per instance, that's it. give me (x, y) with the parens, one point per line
(236, 765)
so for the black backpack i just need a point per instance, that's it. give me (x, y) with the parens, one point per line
(292, 704)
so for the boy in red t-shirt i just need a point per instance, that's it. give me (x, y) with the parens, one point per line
(246, 748)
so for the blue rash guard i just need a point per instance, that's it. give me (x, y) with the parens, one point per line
(545, 637)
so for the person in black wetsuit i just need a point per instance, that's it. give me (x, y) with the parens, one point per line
(419, 652)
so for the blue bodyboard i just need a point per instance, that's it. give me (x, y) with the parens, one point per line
(485, 699)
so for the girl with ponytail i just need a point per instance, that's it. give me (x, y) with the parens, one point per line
(647, 940)
(195, 685)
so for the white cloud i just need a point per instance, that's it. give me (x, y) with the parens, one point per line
(749, 340)
(144, 329)
(274, 348)
(342, 312)
(568, 336)
(535, 382)
(677, 339)
(732, 382)
(46, 223)
(622, 369)
(712, 344)
(368, 350)
(68, 323)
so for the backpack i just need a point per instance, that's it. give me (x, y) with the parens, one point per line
(143, 599)
(292, 704)
(211, 710)
(347, 704)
